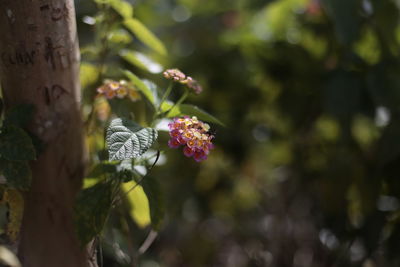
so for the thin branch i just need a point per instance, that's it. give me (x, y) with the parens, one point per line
(147, 243)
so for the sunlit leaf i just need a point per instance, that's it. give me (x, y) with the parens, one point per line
(15, 202)
(154, 90)
(126, 139)
(166, 105)
(145, 35)
(89, 74)
(120, 36)
(140, 60)
(89, 182)
(122, 7)
(367, 47)
(139, 204)
(277, 18)
(90, 52)
(147, 92)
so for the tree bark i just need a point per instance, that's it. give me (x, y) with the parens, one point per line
(39, 64)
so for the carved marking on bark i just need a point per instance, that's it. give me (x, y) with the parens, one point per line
(54, 52)
(53, 121)
(21, 57)
(56, 12)
(52, 94)
(44, 7)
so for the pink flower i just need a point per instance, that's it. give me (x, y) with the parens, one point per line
(178, 76)
(174, 74)
(193, 135)
(173, 143)
(193, 85)
(199, 156)
(175, 133)
(111, 89)
(188, 152)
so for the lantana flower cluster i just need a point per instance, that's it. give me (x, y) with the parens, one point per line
(193, 135)
(111, 89)
(178, 76)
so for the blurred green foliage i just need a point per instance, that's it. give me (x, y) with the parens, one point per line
(305, 172)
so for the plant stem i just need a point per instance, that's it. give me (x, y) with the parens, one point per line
(180, 101)
(164, 97)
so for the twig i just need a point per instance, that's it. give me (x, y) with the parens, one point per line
(147, 243)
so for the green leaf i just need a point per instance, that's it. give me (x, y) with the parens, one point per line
(91, 210)
(138, 202)
(154, 90)
(189, 110)
(126, 139)
(19, 115)
(15, 144)
(89, 182)
(123, 8)
(145, 35)
(155, 197)
(88, 73)
(166, 105)
(146, 91)
(141, 61)
(120, 36)
(17, 173)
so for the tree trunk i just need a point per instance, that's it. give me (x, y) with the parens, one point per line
(39, 63)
